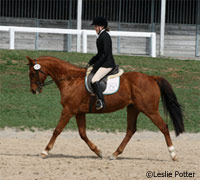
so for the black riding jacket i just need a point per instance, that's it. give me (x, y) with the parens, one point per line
(104, 57)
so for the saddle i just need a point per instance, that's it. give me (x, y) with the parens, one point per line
(109, 84)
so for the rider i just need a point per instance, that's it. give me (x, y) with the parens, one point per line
(103, 62)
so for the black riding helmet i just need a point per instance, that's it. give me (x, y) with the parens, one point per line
(100, 21)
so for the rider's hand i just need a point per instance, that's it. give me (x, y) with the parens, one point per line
(87, 66)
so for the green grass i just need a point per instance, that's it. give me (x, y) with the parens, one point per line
(19, 108)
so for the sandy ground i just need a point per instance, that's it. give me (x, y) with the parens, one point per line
(71, 159)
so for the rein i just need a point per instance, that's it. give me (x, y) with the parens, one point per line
(40, 84)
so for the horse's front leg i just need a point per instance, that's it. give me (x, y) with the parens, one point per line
(81, 123)
(64, 119)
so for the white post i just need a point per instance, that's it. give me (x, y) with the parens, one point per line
(162, 27)
(79, 14)
(84, 41)
(12, 38)
(153, 45)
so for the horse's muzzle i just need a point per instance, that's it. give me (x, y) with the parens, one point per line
(35, 91)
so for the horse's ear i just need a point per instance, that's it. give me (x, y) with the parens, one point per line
(29, 60)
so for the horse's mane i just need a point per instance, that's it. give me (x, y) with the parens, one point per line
(51, 58)
(71, 69)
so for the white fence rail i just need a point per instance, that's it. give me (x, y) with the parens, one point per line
(84, 33)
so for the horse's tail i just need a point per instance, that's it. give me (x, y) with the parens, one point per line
(170, 104)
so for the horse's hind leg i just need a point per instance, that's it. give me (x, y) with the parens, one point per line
(132, 115)
(158, 121)
(81, 123)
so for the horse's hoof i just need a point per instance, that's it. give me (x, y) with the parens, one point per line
(175, 158)
(44, 154)
(112, 157)
(172, 153)
(100, 155)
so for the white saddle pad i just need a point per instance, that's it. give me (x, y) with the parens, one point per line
(112, 86)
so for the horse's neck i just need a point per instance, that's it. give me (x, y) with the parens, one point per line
(58, 69)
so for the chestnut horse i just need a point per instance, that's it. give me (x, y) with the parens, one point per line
(138, 92)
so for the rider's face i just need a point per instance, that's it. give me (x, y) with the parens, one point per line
(98, 29)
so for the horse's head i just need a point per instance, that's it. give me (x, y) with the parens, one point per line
(37, 76)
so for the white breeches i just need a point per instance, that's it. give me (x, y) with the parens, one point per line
(101, 72)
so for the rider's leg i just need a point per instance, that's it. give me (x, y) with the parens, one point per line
(97, 89)
(99, 94)
(101, 72)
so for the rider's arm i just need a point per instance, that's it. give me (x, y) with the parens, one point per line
(107, 50)
(93, 60)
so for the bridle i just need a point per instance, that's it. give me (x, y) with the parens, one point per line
(38, 82)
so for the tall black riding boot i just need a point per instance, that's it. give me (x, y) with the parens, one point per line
(99, 94)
